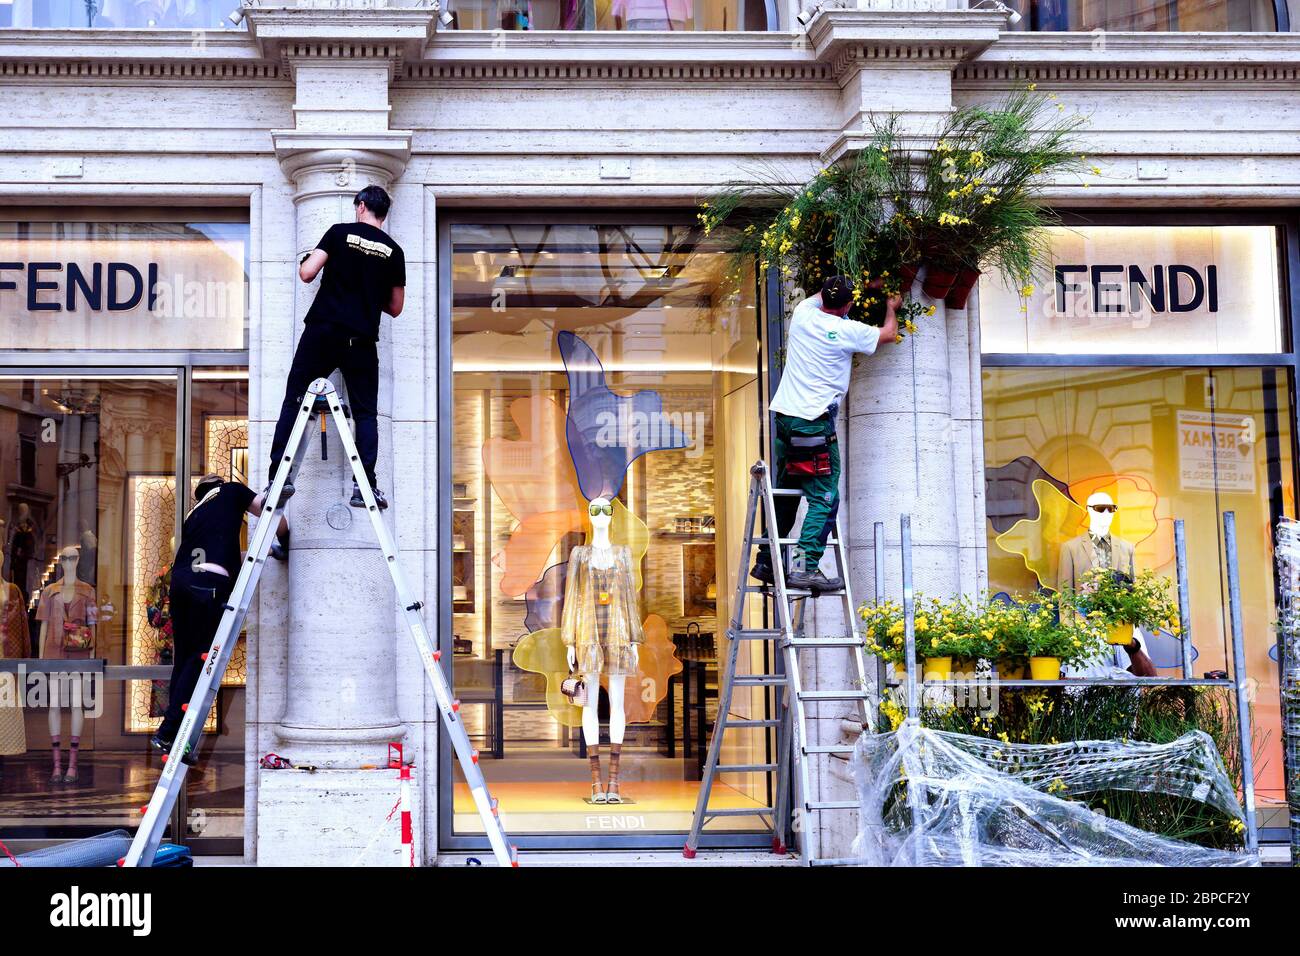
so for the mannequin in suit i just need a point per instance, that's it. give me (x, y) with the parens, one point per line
(1099, 548)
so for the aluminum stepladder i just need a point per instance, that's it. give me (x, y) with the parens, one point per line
(794, 752)
(321, 397)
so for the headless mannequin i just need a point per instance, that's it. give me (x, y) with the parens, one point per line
(602, 557)
(65, 591)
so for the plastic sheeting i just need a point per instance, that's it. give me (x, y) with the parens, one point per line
(102, 850)
(933, 798)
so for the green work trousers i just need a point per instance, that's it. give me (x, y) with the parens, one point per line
(822, 491)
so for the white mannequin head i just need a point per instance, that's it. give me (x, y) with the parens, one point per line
(68, 558)
(1101, 512)
(601, 512)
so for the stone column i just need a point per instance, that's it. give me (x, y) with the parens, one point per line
(341, 706)
(337, 686)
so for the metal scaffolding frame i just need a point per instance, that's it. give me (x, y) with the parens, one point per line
(1237, 681)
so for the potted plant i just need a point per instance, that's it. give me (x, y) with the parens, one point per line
(980, 202)
(1055, 639)
(1119, 603)
(853, 218)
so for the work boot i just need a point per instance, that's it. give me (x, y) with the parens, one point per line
(359, 502)
(816, 582)
(762, 571)
(285, 494)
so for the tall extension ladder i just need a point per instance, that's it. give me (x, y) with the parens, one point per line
(320, 396)
(792, 745)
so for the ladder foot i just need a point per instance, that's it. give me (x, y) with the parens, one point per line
(778, 846)
(688, 852)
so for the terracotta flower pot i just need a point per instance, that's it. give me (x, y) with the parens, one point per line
(908, 273)
(938, 281)
(961, 289)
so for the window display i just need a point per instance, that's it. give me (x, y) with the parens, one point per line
(605, 380)
(1160, 444)
(90, 463)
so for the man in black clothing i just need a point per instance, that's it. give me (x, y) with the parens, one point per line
(365, 275)
(203, 575)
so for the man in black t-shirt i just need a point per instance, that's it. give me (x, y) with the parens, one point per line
(203, 575)
(365, 275)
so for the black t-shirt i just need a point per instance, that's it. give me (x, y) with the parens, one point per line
(363, 268)
(212, 529)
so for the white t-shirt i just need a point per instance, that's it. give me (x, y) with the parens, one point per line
(818, 359)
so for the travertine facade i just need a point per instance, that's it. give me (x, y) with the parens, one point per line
(293, 116)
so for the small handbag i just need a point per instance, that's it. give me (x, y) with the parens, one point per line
(574, 688)
(77, 637)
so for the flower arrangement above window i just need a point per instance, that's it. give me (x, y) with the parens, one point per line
(964, 199)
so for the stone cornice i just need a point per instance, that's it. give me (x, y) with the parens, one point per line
(1076, 58)
(566, 56)
(221, 55)
(1130, 58)
(291, 34)
(844, 37)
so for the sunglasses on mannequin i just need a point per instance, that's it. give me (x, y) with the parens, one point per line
(594, 510)
(1103, 509)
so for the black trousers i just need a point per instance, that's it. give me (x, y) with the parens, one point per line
(321, 350)
(197, 599)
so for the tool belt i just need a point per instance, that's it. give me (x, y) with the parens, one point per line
(809, 456)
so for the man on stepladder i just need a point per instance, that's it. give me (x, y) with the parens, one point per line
(818, 361)
(365, 275)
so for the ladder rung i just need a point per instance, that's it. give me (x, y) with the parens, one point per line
(786, 492)
(789, 592)
(757, 634)
(746, 768)
(829, 541)
(832, 805)
(826, 642)
(759, 680)
(745, 724)
(739, 812)
(833, 695)
(826, 749)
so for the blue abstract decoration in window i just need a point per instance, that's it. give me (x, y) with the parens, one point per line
(606, 431)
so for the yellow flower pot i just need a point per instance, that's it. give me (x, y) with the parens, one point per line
(1011, 671)
(1120, 634)
(938, 668)
(1045, 668)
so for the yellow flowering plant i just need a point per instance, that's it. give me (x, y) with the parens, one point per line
(998, 629)
(1109, 597)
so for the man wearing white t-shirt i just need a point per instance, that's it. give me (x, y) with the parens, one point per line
(818, 359)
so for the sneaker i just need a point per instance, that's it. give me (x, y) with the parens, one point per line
(816, 582)
(279, 551)
(161, 744)
(762, 571)
(359, 502)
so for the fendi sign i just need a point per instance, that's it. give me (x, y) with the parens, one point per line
(152, 293)
(1142, 290)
